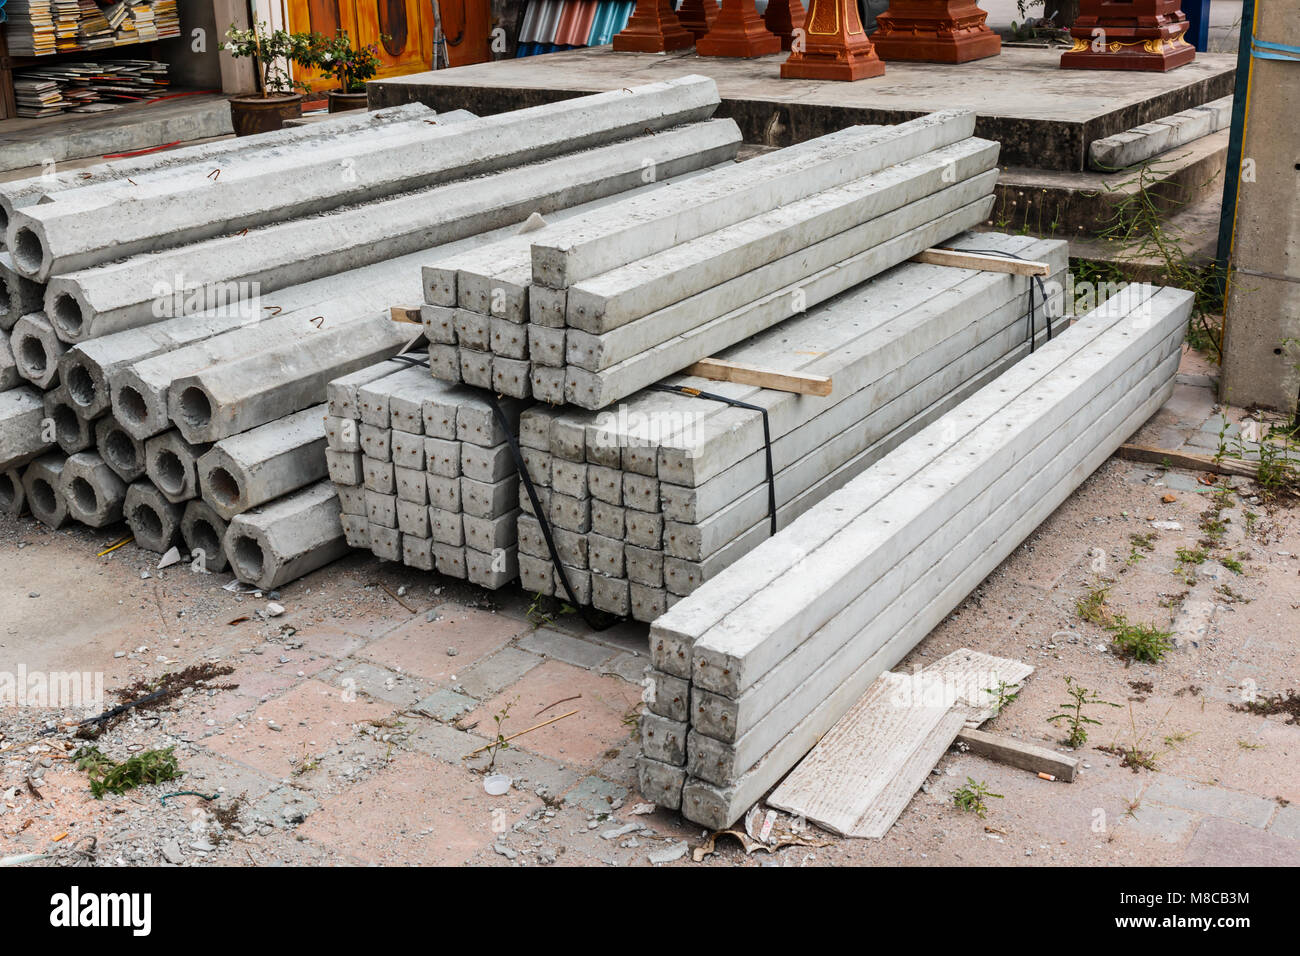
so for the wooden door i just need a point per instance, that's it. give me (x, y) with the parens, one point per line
(401, 29)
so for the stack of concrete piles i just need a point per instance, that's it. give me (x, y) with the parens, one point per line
(183, 387)
(424, 472)
(649, 500)
(760, 661)
(591, 311)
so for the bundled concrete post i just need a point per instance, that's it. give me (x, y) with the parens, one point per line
(287, 538)
(262, 464)
(22, 430)
(267, 186)
(94, 494)
(204, 531)
(243, 393)
(103, 177)
(154, 521)
(42, 482)
(126, 293)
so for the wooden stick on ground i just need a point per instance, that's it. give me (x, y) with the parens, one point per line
(520, 734)
(1183, 459)
(1017, 753)
(719, 370)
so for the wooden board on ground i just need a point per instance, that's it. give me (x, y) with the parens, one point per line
(1189, 460)
(863, 773)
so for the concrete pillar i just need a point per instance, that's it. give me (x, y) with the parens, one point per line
(172, 464)
(288, 538)
(1261, 348)
(262, 464)
(36, 350)
(22, 414)
(123, 452)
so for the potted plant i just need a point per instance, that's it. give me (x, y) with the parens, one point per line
(281, 97)
(350, 67)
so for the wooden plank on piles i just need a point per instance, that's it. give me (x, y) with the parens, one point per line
(982, 261)
(720, 370)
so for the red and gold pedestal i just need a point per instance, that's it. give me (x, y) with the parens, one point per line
(697, 16)
(783, 17)
(835, 45)
(1128, 35)
(653, 28)
(940, 31)
(738, 31)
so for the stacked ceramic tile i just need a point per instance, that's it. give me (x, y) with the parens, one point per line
(424, 472)
(761, 661)
(650, 499)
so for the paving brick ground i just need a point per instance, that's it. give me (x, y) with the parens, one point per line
(349, 737)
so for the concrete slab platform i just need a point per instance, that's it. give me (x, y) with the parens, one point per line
(34, 142)
(1050, 129)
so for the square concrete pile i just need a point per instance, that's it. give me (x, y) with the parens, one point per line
(424, 472)
(650, 499)
(761, 661)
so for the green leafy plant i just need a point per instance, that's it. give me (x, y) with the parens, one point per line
(350, 66)
(499, 741)
(272, 52)
(1092, 606)
(1073, 715)
(1136, 756)
(543, 610)
(1140, 229)
(1141, 642)
(970, 798)
(1004, 692)
(108, 776)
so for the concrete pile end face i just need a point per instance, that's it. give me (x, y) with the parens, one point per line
(71, 431)
(94, 494)
(203, 531)
(43, 487)
(36, 350)
(123, 452)
(13, 497)
(154, 521)
(172, 464)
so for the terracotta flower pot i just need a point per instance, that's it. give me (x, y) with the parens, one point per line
(340, 102)
(262, 114)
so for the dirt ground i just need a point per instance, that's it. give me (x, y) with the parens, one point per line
(344, 740)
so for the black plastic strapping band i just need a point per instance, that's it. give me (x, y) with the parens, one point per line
(588, 614)
(767, 435)
(1042, 291)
